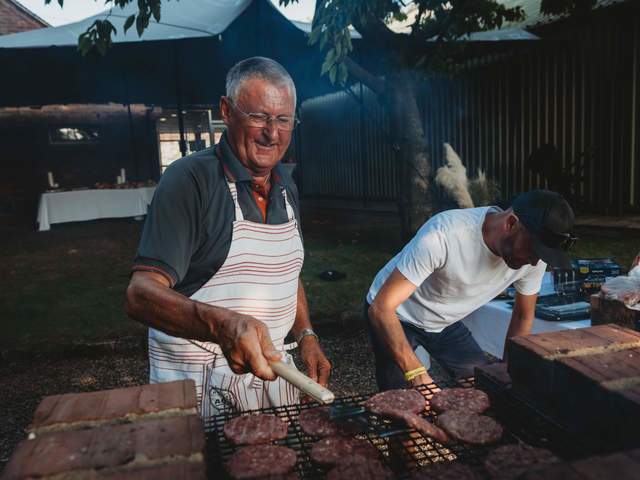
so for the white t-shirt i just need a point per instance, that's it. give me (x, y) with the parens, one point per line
(454, 271)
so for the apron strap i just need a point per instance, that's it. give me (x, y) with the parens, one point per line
(236, 203)
(290, 215)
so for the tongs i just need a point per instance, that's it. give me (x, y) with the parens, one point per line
(356, 419)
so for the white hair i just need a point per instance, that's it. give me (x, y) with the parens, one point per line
(257, 67)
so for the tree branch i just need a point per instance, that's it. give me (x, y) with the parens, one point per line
(377, 84)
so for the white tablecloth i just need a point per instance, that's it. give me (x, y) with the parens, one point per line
(489, 325)
(80, 205)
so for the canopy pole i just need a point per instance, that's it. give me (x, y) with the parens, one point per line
(132, 143)
(176, 63)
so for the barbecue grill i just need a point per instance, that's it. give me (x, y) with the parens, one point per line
(402, 450)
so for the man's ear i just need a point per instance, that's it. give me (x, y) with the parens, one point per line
(512, 222)
(225, 110)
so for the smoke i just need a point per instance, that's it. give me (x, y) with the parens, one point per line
(452, 177)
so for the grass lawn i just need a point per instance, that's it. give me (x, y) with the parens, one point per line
(67, 285)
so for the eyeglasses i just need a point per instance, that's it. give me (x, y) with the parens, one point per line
(262, 120)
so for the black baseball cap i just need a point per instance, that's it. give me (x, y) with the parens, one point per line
(549, 219)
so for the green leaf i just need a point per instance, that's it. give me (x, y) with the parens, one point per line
(155, 10)
(315, 34)
(332, 74)
(61, 3)
(140, 26)
(129, 22)
(343, 74)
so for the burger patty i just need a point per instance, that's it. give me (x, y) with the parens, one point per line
(255, 429)
(464, 399)
(330, 451)
(405, 405)
(396, 402)
(316, 422)
(261, 461)
(357, 468)
(445, 471)
(511, 461)
(470, 427)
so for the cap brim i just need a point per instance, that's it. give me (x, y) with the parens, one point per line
(556, 257)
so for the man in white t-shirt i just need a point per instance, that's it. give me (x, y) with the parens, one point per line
(458, 261)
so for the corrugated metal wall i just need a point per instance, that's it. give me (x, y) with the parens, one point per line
(345, 150)
(578, 92)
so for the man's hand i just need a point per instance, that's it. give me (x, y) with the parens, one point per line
(246, 345)
(421, 380)
(317, 365)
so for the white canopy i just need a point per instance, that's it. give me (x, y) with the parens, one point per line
(180, 19)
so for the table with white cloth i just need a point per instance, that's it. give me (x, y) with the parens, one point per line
(489, 325)
(82, 205)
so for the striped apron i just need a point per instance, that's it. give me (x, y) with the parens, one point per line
(259, 278)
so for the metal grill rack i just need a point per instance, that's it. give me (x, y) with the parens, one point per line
(402, 451)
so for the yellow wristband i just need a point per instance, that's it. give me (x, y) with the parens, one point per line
(411, 374)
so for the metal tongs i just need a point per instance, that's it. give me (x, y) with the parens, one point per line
(356, 419)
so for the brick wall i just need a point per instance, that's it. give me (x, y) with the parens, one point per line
(15, 19)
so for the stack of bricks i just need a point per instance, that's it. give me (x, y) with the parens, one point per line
(588, 379)
(151, 431)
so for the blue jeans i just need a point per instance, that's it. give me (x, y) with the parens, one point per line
(454, 349)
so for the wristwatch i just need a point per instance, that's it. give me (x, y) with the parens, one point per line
(304, 333)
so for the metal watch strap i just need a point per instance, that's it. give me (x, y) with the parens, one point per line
(304, 333)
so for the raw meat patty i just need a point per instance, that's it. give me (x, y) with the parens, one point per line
(330, 451)
(396, 402)
(445, 471)
(316, 422)
(358, 468)
(405, 405)
(465, 399)
(261, 461)
(511, 461)
(255, 429)
(470, 427)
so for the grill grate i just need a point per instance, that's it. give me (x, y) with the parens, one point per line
(402, 451)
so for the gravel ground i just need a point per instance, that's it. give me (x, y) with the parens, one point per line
(25, 382)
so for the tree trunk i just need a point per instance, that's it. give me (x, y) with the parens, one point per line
(415, 202)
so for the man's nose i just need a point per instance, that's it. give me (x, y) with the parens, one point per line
(271, 130)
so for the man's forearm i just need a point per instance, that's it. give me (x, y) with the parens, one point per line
(302, 319)
(158, 306)
(519, 325)
(390, 333)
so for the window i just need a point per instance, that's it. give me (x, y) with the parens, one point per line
(73, 135)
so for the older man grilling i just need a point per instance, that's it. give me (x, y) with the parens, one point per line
(216, 277)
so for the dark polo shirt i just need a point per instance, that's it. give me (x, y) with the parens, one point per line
(187, 232)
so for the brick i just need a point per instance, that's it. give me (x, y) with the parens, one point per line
(559, 471)
(172, 471)
(496, 373)
(143, 444)
(81, 410)
(533, 358)
(16, 18)
(606, 383)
